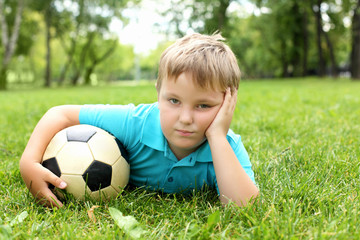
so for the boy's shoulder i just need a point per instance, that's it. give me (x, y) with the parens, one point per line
(114, 110)
(233, 137)
(145, 109)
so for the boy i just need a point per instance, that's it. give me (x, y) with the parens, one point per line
(178, 144)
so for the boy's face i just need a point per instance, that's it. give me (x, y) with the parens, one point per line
(186, 111)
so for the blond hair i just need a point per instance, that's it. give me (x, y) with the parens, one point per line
(210, 61)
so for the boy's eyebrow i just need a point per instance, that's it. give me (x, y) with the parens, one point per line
(208, 99)
(168, 94)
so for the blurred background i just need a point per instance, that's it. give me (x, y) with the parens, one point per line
(52, 43)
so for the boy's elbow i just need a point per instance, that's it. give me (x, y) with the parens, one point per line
(68, 115)
(55, 111)
(61, 109)
(253, 196)
(256, 192)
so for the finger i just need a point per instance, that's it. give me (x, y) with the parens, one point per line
(51, 178)
(47, 198)
(53, 201)
(230, 99)
(234, 99)
(50, 199)
(227, 96)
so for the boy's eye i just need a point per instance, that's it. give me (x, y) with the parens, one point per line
(202, 106)
(173, 101)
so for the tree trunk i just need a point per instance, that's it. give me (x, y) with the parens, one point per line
(321, 63)
(88, 72)
(334, 70)
(305, 39)
(96, 60)
(9, 44)
(75, 78)
(355, 51)
(297, 36)
(284, 60)
(3, 78)
(70, 57)
(221, 14)
(219, 19)
(85, 49)
(48, 47)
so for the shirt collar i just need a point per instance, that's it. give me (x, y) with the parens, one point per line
(152, 134)
(203, 153)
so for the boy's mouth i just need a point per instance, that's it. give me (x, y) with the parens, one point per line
(184, 133)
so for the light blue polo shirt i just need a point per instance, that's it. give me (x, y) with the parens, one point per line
(152, 163)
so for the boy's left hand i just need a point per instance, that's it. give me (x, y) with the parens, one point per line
(221, 123)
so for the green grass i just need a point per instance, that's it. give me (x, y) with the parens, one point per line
(302, 137)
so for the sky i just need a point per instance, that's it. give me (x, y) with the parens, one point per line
(141, 31)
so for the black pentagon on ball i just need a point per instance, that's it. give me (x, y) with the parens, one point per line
(80, 134)
(98, 175)
(52, 165)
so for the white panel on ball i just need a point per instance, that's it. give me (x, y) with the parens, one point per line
(104, 148)
(120, 174)
(77, 187)
(74, 158)
(55, 145)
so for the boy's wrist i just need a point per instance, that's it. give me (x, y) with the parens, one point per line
(215, 138)
(215, 134)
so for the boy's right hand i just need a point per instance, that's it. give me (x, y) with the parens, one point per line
(37, 179)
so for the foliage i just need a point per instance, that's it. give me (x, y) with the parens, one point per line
(69, 42)
(9, 11)
(302, 136)
(150, 63)
(77, 36)
(118, 66)
(278, 38)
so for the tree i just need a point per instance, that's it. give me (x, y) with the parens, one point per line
(51, 15)
(321, 61)
(280, 38)
(96, 56)
(212, 13)
(318, 13)
(283, 26)
(9, 42)
(90, 21)
(355, 45)
(206, 16)
(245, 41)
(118, 66)
(73, 35)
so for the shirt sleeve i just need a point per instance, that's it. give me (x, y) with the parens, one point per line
(242, 156)
(116, 119)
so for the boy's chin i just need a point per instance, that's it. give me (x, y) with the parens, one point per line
(183, 149)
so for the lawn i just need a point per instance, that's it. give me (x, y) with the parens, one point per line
(302, 137)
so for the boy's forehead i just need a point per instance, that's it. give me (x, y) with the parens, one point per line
(206, 85)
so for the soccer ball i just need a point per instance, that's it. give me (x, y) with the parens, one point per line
(90, 160)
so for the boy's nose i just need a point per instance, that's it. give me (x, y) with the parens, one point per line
(186, 116)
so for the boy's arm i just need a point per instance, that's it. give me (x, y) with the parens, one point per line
(36, 177)
(233, 182)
